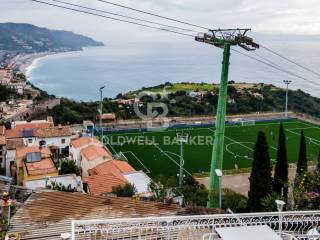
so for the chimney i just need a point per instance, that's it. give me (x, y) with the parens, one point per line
(60, 126)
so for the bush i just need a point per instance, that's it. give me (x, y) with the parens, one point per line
(127, 190)
(234, 201)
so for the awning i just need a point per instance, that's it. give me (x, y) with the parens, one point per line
(247, 233)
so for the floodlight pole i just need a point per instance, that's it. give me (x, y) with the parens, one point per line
(287, 82)
(101, 109)
(222, 38)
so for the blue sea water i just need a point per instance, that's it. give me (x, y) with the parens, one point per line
(123, 67)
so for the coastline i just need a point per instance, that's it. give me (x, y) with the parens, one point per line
(25, 63)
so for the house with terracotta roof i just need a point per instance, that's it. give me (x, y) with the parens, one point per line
(78, 144)
(34, 162)
(118, 172)
(33, 124)
(92, 156)
(56, 138)
(107, 117)
(11, 147)
(98, 185)
(48, 215)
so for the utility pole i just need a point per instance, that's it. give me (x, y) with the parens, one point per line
(222, 38)
(101, 110)
(181, 138)
(287, 82)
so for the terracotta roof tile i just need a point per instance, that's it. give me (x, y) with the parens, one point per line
(34, 125)
(13, 133)
(23, 151)
(2, 140)
(93, 152)
(46, 215)
(101, 184)
(14, 143)
(112, 167)
(80, 142)
(60, 131)
(44, 166)
(107, 116)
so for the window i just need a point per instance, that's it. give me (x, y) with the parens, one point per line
(63, 140)
(30, 140)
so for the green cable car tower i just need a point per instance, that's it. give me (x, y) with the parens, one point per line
(222, 38)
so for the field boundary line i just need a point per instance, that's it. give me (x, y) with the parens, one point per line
(162, 151)
(135, 156)
(316, 142)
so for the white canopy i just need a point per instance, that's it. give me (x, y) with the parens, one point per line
(247, 233)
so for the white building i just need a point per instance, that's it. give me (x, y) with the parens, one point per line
(92, 156)
(80, 143)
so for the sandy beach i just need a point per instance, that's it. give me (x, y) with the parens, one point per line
(25, 62)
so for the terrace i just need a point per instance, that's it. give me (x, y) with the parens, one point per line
(274, 225)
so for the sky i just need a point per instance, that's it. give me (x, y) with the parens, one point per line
(263, 16)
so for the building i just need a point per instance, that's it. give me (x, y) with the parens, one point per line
(33, 163)
(6, 76)
(12, 145)
(122, 172)
(65, 180)
(3, 143)
(48, 215)
(107, 118)
(18, 87)
(78, 144)
(57, 138)
(97, 185)
(92, 156)
(32, 124)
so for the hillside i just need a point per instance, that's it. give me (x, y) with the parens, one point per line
(21, 37)
(192, 99)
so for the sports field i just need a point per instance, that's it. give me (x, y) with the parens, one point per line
(157, 152)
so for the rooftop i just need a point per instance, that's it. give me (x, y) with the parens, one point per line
(107, 116)
(115, 167)
(23, 151)
(46, 215)
(2, 140)
(59, 131)
(13, 144)
(84, 141)
(94, 152)
(68, 179)
(44, 166)
(140, 180)
(33, 125)
(102, 184)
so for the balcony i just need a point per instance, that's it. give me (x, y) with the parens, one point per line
(287, 225)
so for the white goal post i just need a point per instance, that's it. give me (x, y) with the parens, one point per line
(248, 123)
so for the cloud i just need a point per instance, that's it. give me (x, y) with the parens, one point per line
(269, 16)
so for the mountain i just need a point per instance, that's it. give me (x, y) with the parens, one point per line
(21, 37)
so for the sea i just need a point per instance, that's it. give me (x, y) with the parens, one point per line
(124, 67)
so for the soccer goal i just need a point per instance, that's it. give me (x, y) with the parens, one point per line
(248, 123)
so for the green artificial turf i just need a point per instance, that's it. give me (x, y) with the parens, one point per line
(157, 152)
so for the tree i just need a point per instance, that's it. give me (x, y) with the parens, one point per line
(318, 162)
(128, 190)
(162, 187)
(68, 167)
(260, 179)
(302, 165)
(280, 181)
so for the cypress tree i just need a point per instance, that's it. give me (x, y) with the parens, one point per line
(260, 179)
(318, 162)
(280, 180)
(302, 164)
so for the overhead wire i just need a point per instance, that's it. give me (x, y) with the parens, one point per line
(289, 60)
(277, 67)
(264, 60)
(153, 14)
(112, 18)
(124, 16)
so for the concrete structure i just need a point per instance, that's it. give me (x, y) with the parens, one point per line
(66, 180)
(141, 181)
(12, 145)
(3, 144)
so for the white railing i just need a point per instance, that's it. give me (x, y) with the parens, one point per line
(294, 225)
